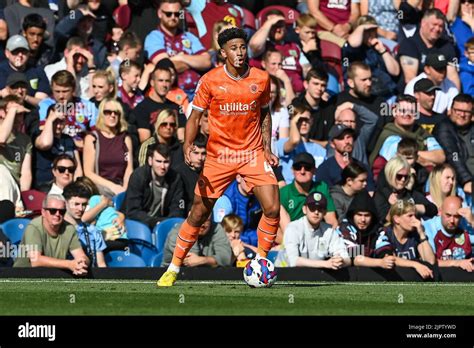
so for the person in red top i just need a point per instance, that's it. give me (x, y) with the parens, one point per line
(237, 98)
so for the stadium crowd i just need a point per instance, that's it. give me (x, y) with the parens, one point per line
(372, 122)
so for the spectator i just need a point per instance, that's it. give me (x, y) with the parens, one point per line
(425, 92)
(183, 48)
(454, 135)
(397, 173)
(146, 113)
(386, 15)
(463, 27)
(79, 61)
(292, 196)
(315, 85)
(108, 152)
(165, 133)
(435, 70)
(280, 116)
(428, 39)
(214, 51)
(359, 229)
(212, 247)
(64, 167)
(80, 113)
(17, 54)
(155, 192)
(405, 239)
(354, 180)
(442, 184)
(130, 47)
(49, 143)
(341, 139)
(190, 172)
(233, 227)
(49, 239)
(405, 113)
(129, 91)
(310, 242)
(272, 63)
(364, 46)
(467, 68)
(298, 142)
(77, 198)
(104, 85)
(175, 94)
(34, 29)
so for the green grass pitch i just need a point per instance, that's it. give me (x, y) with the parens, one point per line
(122, 297)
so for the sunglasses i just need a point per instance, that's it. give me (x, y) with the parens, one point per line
(401, 176)
(62, 169)
(313, 208)
(306, 167)
(110, 112)
(54, 211)
(169, 14)
(166, 124)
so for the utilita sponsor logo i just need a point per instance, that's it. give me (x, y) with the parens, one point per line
(238, 107)
(37, 331)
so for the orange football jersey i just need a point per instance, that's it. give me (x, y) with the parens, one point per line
(233, 106)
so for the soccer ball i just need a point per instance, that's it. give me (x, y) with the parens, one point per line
(260, 273)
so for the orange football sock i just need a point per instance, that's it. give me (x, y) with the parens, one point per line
(187, 236)
(266, 232)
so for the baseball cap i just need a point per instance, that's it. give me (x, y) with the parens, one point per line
(316, 200)
(15, 78)
(426, 86)
(304, 158)
(16, 42)
(437, 61)
(338, 130)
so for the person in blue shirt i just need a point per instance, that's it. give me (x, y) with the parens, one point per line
(463, 26)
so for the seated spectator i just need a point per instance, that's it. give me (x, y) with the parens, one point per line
(50, 143)
(359, 229)
(175, 94)
(467, 68)
(214, 51)
(77, 198)
(279, 113)
(155, 192)
(425, 93)
(190, 172)
(64, 167)
(108, 152)
(129, 91)
(104, 85)
(310, 242)
(233, 227)
(129, 47)
(80, 113)
(430, 152)
(34, 29)
(463, 27)
(354, 180)
(298, 141)
(292, 196)
(364, 46)
(405, 239)
(212, 248)
(435, 70)
(341, 139)
(451, 244)
(397, 174)
(272, 62)
(165, 133)
(49, 239)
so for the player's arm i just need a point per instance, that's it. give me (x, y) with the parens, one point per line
(192, 129)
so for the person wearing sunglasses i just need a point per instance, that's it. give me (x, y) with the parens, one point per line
(64, 167)
(108, 151)
(48, 240)
(397, 173)
(183, 48)
(311, 242)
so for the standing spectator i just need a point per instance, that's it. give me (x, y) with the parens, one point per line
(183, 48)
(463, 26)
(77, 198)
(435, 70)
(108, 153)
(467, 68)
(405, 239)
(425, 93)
(310, 242)
(64, 167)
(155, 192)
(34, 28)
(414, 50)
(455, 136)
(49, 240)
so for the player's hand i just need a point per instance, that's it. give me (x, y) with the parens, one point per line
(423, 271)
(388, 262)
(271, 159)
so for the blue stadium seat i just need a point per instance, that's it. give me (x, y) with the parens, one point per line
(14, 229)
(156, 260)
(161, 232)
(138, 231)
(120, 258)
(118, 200)
(146, 251)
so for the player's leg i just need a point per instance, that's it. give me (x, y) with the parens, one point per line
(269, 198)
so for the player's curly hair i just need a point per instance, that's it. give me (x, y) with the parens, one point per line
(230, 34)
